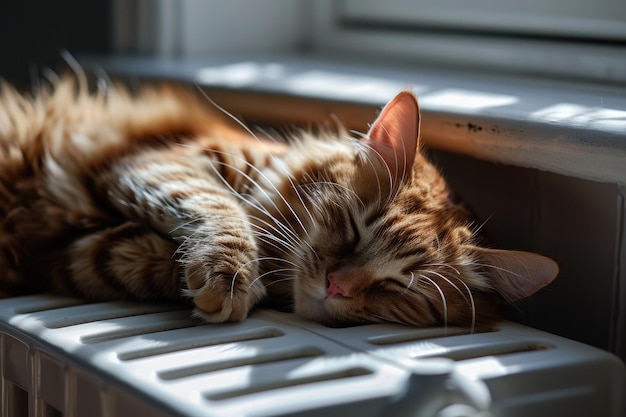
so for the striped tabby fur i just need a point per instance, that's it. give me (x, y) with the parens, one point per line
(154, 197)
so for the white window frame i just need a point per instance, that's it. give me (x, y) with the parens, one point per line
(338, 28)
(486, 34)
(599, 20)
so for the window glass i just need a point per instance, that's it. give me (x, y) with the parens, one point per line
(600, 19)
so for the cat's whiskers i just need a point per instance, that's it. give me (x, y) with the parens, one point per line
(268, 136)
(258, 260)
(273, 158)
(477, 230)
(404, 159)
(295, 188)
(396, 188)
(227, 113)
(365, 151)
(508, 271)
(470, 301)
(443, 298)
(473, 305)
(276, 271)
(260, 207)
(314, 223)
(277, 259)
(277, 240)
(444, 265)
(261, 234)
(260, 231)
(280, 245)
(182, 247)
(369, 152)
(408, 287)
(281, 280)
(315, 201)
(428, 271)
(185, 225)
(288, 240)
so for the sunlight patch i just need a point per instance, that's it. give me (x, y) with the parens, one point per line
(465, 99)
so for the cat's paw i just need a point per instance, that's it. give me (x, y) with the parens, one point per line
(223, 295)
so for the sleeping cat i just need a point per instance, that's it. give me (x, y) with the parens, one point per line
(153, 196)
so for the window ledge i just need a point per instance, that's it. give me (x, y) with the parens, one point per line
(573, 129)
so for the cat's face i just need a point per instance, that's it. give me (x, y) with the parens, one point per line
(385, 243)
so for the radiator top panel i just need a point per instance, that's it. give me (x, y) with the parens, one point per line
(64, 357)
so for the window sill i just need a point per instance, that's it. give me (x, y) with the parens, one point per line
(576, 130)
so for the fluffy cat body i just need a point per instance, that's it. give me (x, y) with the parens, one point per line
(153, 196)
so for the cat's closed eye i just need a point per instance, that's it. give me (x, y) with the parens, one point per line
(394, 284)
(351, 238)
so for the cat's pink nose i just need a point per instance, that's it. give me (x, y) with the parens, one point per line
(333, 288)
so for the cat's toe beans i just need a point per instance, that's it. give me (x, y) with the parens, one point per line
(219, 304)
(223, 293)
(207, 312)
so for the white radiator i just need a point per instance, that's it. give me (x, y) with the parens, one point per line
(62, 357)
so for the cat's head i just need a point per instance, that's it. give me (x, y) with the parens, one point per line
(385, 242)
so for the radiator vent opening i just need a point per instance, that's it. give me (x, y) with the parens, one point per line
(257, 359)
(136, 359)
(418, 334)
(97, 312)
(176, 346)
(287, 383)
(17, 400)
(147, 328)
(50, 304)
(494, 349)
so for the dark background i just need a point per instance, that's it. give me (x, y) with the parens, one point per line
(34, 32)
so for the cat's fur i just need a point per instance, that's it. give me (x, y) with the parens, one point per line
(153, 196)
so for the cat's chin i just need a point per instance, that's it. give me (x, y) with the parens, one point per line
(314, 307)
(320, 310)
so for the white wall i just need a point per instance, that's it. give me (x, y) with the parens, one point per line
(194, 28)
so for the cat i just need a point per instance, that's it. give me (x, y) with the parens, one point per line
(156, 196)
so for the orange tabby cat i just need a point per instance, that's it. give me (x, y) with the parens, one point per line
(114, 196)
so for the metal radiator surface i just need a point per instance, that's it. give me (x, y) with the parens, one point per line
(62, 357)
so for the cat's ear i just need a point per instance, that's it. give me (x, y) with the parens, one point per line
(516, 274)
(394, 135)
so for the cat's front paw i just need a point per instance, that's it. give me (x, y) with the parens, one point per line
(223, 294)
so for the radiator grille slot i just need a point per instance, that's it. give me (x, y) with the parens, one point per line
(288, 383)
(199, 342)
(48, 304)
(495, 349)
(417, 335)
(156, 325)
(91, 313)
(254, 359)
